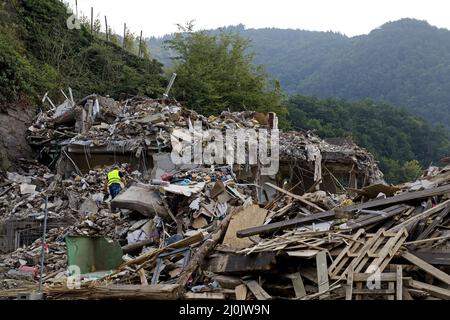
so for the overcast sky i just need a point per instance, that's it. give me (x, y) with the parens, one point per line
(351, 17)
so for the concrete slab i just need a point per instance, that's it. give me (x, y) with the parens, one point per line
(27, 188)
(140, 199)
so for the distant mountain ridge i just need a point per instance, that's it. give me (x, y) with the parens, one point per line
(405, 63)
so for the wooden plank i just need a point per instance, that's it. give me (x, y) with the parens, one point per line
(297, 197)
(399, 283)
(418, 293)
(433, 290)
(418, 210)
(310, 274)
(434, 258)
(427, 240)
(374, 251)
(340, 260)
(322, 273)
(391, 285)
(393, 251)
(203, 251)
(249, 217)
(349, 288)
(400, 237)
(299, 287)
(352, 225)
(430, 229)
(303, 253)
(374, 292)
(406, 294)
(359, 287)
(422, 215)
(284, 224)
(204, 296)
(371, 253)
(134, 292)
(12, 293)
(363, 277)
(177, 245)
(257, 290)
(235, 263)
(362, 253)
(435, 272)
(401, 198)
(241, 292)
(143, 277)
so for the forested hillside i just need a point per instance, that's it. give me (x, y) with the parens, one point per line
(216, 73)
(405, 63)
(394, 136)
(39, 53)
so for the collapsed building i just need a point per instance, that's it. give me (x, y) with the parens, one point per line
(192, 230)
(98, 131)
(139, 132)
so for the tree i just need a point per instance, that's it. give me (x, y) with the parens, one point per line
(404, 63)
(129, 43)
(97, 25)
(114, 38)
(145, 50)
(216, 73)
(411, 170)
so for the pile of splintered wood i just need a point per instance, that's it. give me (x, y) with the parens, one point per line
(390, 248)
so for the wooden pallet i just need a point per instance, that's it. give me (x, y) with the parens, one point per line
(367, 253)
(389, 285)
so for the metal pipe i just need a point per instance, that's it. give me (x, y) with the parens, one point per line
(172, 80)
(43, 244)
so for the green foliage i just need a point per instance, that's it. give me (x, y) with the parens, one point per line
(114, 39)
(15, 71)
(39, 53)
(397, 172)
(394, 136)
(215, 73)
(129, 43)
(405, 63)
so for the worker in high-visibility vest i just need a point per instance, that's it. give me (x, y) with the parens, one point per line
(113, 182)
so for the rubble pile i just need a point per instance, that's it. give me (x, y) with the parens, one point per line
(20, 192)
(203, 232)
(17, 274)
(377, 235)
(139, 120)
(25, 193)
(298, 145)
(197, 196)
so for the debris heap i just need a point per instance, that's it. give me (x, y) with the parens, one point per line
(205, 232)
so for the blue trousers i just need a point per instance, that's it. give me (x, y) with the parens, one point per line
(114, 190)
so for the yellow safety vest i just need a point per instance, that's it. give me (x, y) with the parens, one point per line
(114, 177)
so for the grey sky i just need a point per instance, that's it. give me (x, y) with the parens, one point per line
(351, 17)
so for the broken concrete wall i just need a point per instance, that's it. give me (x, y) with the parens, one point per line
(162, 163)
